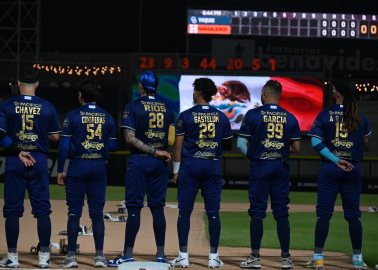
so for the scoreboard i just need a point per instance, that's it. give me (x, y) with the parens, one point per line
(283, 24)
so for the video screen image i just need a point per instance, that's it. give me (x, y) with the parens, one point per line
(302, 96)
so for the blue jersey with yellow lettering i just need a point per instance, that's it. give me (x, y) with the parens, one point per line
(270, 129)
(204, 128)
(29, 120)
(150, 118)
(90, 128)
(329, 127)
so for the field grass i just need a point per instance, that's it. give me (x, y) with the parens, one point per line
(235, 233)
(116, 193)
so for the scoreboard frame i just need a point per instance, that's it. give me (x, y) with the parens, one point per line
(282, 24)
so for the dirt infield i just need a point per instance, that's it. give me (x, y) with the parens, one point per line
(145, 243)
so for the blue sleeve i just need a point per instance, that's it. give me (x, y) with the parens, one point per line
(245, 127)
(128, 120)
(113, 141)
(113, 145)
(64, 147)
(317, 127)
(5, 140)
(295, 130)
(242, 144)
(54, 126)
(180, 129)
(227, 132)
(318, 145)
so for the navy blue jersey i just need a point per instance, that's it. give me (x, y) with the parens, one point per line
(29, 120)
(90, 129)
(270, 129)
(329, 127)
(204, 128)
(150, 118)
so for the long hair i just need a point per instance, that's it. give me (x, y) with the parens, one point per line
(351, 114)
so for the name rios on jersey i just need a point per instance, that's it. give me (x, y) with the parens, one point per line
(153, 106)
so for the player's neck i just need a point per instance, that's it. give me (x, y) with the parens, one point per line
(27, 91)
(339, 100)
(201, 101)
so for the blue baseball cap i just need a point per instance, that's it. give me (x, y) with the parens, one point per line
(149, 81)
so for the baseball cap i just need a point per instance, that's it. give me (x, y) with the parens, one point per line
(28, 74)
(149, 81)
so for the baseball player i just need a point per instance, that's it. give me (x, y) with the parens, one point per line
(89, 132)
(145, 123)
(266, 137)
(30, 123)
(340, 134)
(202, 133)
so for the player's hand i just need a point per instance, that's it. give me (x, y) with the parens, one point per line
(26, 158)
(160, 154)
(174, 178)
(61, 178)
(345, 165)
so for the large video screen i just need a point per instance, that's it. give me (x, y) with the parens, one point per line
(302, 96)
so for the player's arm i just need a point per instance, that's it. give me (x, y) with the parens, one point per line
(130, 138)
(64, 146)
(54, 137)
(318, 146)
(177, 148)
(242, 144)
(295, 146)
(7, 143)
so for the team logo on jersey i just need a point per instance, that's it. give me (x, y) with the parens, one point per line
(342, 154)
(205, 155)
(154, 134)
(22, 136)
(272, 155)
(339, 143)
(206, 144)
(92, 145)
(272, 144)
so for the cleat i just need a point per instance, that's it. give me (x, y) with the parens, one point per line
(214, 261)
(251, 262)
(286, 263)
(359, 265)
(10, 261)
(161, 259)
(100, 262)
(44, 259)
(317, 262)
(119, 260)
(181, 261)
(69, 262)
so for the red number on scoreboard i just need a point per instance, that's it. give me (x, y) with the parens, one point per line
(205, 63)
(272, 62)
(146, 62)
(256, 64)
(185, 64)
(168, 63)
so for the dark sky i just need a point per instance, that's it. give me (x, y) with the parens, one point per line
(107, 26)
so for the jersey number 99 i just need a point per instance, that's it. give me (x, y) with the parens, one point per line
(275, 130)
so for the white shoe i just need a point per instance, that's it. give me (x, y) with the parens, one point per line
(214, 261)
(376, 267)
(11, 261)
(44, 259)
(181, 261)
